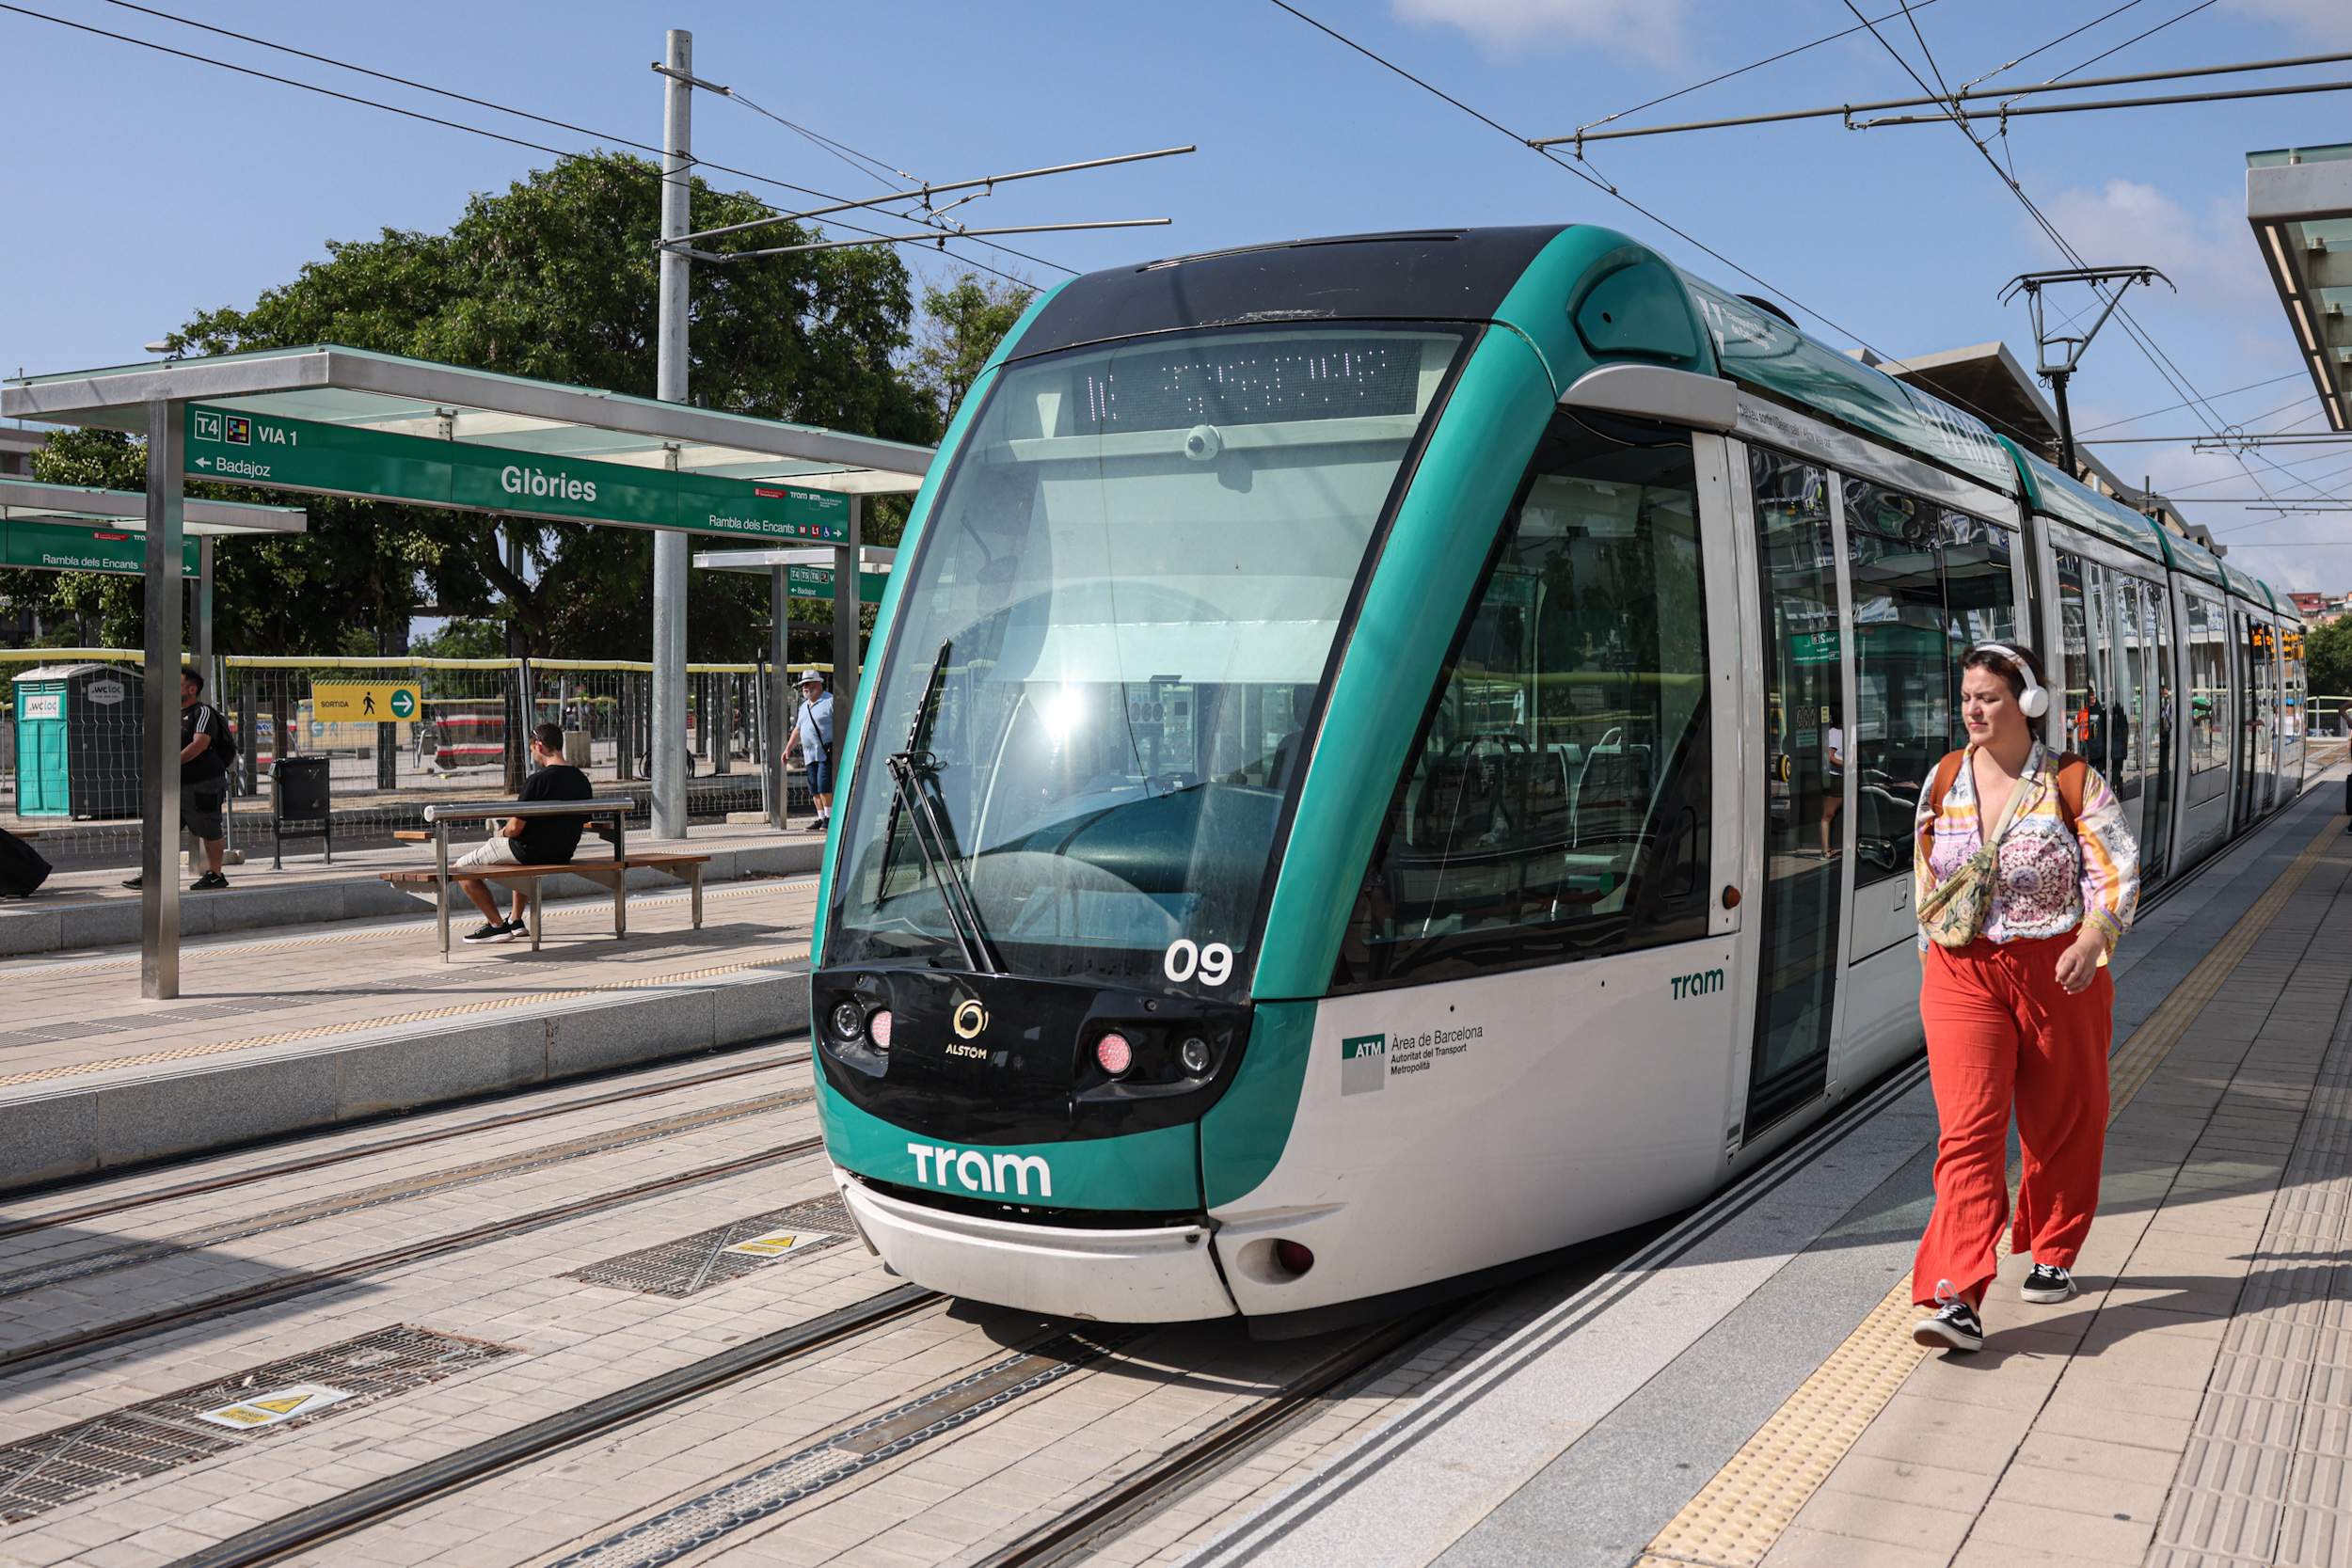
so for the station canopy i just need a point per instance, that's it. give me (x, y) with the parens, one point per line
(347, 422)
(71, 528)
(2300, 201)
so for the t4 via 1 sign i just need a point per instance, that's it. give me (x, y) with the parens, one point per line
(269, 450)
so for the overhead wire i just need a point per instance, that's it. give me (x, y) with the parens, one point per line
(2168, 408)
(2039, 49)
(456, 96)
(1606, 187)
(2154, 352)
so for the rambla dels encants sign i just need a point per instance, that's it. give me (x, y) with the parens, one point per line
(339, 460)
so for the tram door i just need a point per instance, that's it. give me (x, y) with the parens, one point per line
(2128, 747)
(1807, 744)
(2148, 634)
(2248, 724)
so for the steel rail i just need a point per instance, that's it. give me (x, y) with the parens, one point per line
(382, 1145)
(308, 1527)
(45, 1352)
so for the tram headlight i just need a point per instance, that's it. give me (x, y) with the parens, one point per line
(1113, 1055)
(879, 1027)
(1193, 1054)
(849, 1022)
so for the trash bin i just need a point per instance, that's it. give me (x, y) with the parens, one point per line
(301, 806)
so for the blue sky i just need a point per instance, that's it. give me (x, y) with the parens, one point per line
(142, 188)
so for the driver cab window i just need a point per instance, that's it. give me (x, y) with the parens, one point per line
(1555, 803)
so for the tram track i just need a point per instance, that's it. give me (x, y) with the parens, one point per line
(107, 1207)
(64, 1347)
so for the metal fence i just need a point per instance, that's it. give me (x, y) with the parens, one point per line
(457, 726)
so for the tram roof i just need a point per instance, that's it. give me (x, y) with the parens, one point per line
(2049, 492)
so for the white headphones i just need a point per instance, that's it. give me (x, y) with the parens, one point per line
(2033, 701)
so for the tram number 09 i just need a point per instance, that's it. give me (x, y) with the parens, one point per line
(1214, 963)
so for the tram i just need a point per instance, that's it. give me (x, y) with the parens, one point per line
(1391, 755)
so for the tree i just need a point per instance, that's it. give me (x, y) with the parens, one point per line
(555, 278)
(2328, 650)
(962, 324)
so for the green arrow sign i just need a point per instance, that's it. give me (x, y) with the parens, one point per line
(815, 582)
(302, 455)
(70, 548)
(403, 703)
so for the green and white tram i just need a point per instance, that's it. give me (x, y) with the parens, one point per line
(1392, 755)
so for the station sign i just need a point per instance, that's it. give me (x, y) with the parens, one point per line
(363, 702)
(815, 582)
(278, 453)
(72, 548)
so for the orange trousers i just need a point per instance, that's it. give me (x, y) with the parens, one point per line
(2003, 1034)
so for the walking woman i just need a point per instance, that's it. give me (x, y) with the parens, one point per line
(2024, 875)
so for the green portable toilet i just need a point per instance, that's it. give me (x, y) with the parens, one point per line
(77, 741)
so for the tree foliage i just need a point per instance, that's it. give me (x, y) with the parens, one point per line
(2328, 650)
(962, 324)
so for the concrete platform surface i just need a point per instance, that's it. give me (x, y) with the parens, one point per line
(81, 909)
(275, 1034)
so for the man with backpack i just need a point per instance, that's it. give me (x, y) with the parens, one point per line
(206, 750)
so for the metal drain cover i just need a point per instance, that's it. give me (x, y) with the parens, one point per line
(72, 1462)
(725, 1252)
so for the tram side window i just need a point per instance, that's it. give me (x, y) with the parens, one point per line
(1555, 805)
(2208, 686)
(1927, 584)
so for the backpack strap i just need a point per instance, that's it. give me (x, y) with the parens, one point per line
(1946, 773)
(2073, 777)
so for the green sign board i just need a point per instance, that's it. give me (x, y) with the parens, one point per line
(301, 454)
(1814, 647)
(815, 582)
(72, 548)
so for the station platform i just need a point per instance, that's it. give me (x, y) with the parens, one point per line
(1743, 1391)
(342, 1007)
(86, 907)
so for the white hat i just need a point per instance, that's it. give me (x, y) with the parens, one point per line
(809, 675)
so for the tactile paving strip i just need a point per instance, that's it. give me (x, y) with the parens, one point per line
(60, 1467)
(388, 1021)
(2264, 1474)
(1738, 1515)
(699, 1262)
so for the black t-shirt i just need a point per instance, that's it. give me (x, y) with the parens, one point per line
(550, 840)
(201, 717)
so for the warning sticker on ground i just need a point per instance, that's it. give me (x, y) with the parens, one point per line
(776, 1243)
(277, 1404)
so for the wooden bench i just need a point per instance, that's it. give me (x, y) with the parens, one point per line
(613, 874)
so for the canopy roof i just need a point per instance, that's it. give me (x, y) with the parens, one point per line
(870, 557)
(356, 389)
(27, 500)
(2299, 200)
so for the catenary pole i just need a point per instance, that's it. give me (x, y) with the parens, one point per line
(847, 598)
(669, 545)
(159, 705)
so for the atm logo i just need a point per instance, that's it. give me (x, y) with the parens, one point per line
(1702, 984)
(997, 1175)
(1363, 1064)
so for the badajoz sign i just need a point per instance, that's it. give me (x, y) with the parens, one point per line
(338, 460)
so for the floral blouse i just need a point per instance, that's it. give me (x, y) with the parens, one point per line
(2051, 881)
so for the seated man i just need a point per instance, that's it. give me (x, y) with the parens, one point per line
(526, 840)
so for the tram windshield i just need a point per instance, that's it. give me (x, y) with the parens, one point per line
(1108, 648)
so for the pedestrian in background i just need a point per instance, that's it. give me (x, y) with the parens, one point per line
(206, 750)
(2025, 876)
(812, 735)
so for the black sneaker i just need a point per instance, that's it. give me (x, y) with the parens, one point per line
(210, 881)
(1955, 1327)
(490, 931)
(820, 825)
(2048, 1284)
(136, 884)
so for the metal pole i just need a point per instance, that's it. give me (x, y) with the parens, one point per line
(159, 741)
(669, 547)
(2066, 425)
(779, 692)
(844, 618)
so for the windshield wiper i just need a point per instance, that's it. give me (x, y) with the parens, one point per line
(914, 778)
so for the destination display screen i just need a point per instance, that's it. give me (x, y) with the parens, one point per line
(1253, 381)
